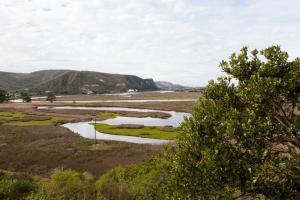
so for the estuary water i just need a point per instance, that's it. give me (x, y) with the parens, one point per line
(87, 130)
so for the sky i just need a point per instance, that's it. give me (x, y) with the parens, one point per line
(181, 41)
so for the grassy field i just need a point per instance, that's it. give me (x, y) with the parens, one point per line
(145, 132)
(40, 149)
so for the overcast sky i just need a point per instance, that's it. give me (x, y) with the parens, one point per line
(181, 41)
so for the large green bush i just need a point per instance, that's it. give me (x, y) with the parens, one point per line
(230, 146)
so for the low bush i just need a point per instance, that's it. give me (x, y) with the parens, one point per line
(66, 185)
(15, 186)
(146, 181)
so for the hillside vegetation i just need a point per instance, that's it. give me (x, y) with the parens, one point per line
(73, 82)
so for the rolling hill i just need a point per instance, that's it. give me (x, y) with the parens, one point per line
(164, 85)
(73, 82)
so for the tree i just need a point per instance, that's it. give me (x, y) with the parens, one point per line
(51, 97)
(242, 138)
(25, 97)
(4, 97)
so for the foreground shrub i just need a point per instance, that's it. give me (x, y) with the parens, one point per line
(66, 185)
(146, 181)
(15, 186)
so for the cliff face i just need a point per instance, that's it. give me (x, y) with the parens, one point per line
(74, 82)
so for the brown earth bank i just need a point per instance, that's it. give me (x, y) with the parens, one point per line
(133, 96)
(40, 149)
(186, 106)
(80, 115)
(167, 106)
(19, 106)
(93, 113)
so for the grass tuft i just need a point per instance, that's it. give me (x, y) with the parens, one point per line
(108, 115)
(11, 115)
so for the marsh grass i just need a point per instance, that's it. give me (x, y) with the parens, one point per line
(36, 122)
(23, 119)
(107, 115)
(11, 115)
(92, 146)
(144, 132)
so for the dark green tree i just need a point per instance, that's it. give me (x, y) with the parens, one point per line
(242, 139)
(4, 96)
(25, 97)
(51, 97)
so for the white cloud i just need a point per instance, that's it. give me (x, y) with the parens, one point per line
(174, 40)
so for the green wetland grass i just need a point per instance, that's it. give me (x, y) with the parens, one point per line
(144, 132)
(11, 115)
(107, 115)
(23, 119)
(41, 122)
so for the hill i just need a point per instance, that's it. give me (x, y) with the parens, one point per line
(73, 82)
(164, 85)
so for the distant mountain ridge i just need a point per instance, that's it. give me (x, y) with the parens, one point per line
(74, 82)
(164, 85)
